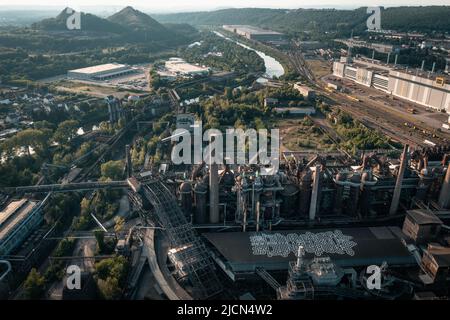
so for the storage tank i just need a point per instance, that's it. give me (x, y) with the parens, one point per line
(425, 181)
(368, 181)
(227, 178)
(341, 180)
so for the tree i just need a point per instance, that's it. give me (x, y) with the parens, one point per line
(228, 93)
(34, 285)
(64, 248)
(112, 170)
(111, 276)
(29, 138)
(66, 131)
(100, 237)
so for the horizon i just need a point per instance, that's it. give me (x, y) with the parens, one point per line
(203, 5)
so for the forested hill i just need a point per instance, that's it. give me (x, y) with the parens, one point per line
(129, 23)
(90, 23)
(425, 19)
(138, 21)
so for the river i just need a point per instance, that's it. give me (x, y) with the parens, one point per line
(273, 66)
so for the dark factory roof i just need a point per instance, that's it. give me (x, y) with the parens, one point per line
(348, 247)
(423, 217)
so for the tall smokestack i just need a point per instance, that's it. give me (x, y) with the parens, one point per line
(214, 193)
(434, 66)
(373, 55)
(315, 194)
(398, 184)
(444, 196)
(396, 59)
(423, 65)
(300, 256)
(388, 58)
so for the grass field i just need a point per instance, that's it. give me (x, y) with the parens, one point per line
(302, 134)
(89, 89)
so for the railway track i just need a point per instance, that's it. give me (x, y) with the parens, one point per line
(332, 136)
(298, 61)
(381, 124)
(381, 120)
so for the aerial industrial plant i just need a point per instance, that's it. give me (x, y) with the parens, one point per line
(92, 186)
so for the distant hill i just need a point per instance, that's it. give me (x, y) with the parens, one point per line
(425, 19)
(182, 29)
(137, 21)
(89, 22)
(130, 24)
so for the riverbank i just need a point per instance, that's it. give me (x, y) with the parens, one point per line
(274, 68)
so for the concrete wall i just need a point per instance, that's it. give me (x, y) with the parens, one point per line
(364, 77)
(338, 69)
(420, 90)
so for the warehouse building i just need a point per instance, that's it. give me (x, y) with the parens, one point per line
(425, 88)
(100, 72)
(238, 254)
(17, 220)
(255, 33)
(431, 92)
(179, 67)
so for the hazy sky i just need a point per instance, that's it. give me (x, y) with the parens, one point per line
(183, 5)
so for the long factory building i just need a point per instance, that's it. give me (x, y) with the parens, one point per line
(239, 253)
(255, 33)
(17, 220)
(101, 72)
(422, 87)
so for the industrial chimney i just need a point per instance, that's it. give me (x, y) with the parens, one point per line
(315, 194)
(444, 196)
(214, 193)
(300, 256)
(399, 182)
